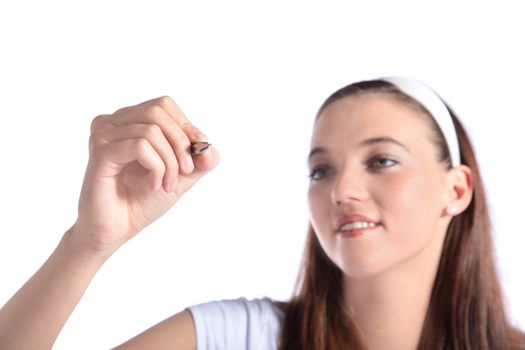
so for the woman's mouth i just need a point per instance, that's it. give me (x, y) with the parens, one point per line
(356, 228)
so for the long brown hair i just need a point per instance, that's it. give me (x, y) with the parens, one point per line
(466, 308)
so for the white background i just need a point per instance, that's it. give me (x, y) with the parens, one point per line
(251, 76)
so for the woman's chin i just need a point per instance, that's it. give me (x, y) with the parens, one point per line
(363, 268)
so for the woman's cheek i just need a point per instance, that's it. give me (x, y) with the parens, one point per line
(400, 199)
(411, 197)
(397, 191)
(319, 205)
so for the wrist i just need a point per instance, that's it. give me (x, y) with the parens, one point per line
(78, 245)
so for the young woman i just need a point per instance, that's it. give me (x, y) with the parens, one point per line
(398, 255)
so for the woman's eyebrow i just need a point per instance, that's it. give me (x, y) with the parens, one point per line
(317, 150)
(382, 139)
(367, 142)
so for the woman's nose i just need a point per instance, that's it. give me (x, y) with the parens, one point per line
(348, 187)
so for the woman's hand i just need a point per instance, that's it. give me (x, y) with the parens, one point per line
(135, 157)
(139, 166)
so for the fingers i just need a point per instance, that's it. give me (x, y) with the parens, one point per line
(161, 124)
(152, 134)
(175, 135)
(168, 105)
(120, 153)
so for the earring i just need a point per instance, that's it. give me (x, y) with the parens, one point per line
(452, 210)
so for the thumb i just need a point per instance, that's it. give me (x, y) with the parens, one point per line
(204, 163)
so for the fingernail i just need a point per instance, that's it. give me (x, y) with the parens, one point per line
(200, 136)
(188, 164)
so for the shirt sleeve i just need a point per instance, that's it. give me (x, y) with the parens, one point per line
(237, 324)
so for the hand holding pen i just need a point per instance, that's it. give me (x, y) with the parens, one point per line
(132, 154)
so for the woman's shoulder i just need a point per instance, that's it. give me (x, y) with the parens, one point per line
(240, 310)
(225, 323)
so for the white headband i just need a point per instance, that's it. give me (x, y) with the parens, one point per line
(430, 100)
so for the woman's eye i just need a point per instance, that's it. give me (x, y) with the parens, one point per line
(382, 162)
(318, 173)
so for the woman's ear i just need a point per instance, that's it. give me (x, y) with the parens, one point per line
(460, 185)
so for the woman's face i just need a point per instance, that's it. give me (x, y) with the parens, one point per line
(377, 193)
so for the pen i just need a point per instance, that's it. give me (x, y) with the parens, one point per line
(199, 148)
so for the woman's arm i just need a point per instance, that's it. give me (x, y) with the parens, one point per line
(140, 164)
(34, 316)
(176, 332)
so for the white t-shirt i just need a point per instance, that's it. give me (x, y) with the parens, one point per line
(237, 324)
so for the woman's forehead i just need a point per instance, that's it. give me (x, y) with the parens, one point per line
(355, 118)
